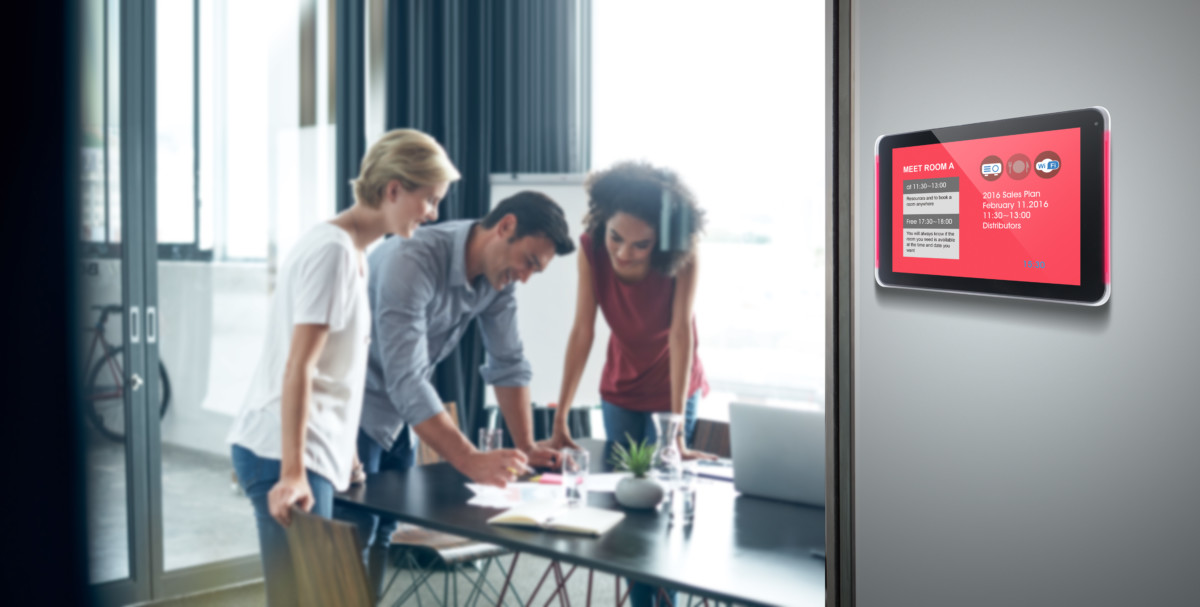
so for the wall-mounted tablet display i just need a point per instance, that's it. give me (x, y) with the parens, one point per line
(1011, 208)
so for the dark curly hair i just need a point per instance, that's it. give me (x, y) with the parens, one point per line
(637, 188)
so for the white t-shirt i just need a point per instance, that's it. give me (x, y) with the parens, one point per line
(320, 283)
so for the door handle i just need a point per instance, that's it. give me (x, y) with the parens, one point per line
(151, 324)
(135, 318)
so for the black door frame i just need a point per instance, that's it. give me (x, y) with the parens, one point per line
(839, 308)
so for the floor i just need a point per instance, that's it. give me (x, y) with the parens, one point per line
(205, 519)
(528, 573)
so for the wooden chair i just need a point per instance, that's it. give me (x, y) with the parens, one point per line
(327, 558)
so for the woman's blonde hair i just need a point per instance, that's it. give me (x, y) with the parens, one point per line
(406, 155)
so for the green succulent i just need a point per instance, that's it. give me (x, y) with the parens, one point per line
(637, 458)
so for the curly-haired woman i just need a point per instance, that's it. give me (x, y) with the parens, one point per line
(645, 289)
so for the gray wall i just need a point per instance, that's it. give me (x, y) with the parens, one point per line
(1025, 453)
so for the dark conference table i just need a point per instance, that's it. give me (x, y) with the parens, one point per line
(739, 548)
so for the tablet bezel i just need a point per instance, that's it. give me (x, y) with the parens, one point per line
(1094, 285)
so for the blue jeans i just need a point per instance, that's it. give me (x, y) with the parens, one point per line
(617, 423)
(639, 425)
(375, 531)
(257, 475)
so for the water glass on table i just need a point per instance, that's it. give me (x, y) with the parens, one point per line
(574, 475)
(490, 439)
(682, 496)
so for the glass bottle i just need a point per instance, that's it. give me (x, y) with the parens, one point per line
(667, 456)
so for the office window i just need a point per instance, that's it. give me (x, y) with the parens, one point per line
(245, 133)
(732, 97)
(100, 158)
(175, 115)
(266, 125)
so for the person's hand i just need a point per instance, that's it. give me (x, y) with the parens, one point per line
(496, 468)
(561, 439)
(541, 455)
(284, 494)
(690, 454)
(358, 474)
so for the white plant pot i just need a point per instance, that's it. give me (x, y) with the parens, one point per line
(641, 493)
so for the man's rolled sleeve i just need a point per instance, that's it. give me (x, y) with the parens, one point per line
(406, 285)
(505, 364)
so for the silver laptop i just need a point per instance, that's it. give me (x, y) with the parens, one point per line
(779, 451)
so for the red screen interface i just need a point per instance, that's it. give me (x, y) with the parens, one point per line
(1003, 208)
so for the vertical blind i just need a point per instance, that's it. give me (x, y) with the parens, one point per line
(504, 85)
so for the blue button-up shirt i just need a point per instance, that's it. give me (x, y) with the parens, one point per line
(421, 304)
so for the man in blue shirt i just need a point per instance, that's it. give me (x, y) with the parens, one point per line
(424, 291)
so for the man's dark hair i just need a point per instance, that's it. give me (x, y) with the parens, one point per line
(537, 215)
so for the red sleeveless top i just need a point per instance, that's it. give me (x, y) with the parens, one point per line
(637, 370)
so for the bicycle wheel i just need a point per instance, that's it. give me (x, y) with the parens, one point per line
(106, 395)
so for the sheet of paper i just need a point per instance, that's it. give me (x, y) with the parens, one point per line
(512, 495)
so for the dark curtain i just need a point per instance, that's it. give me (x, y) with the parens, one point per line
(504, 85)
(350, 101)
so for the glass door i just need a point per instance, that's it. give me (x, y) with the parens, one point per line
(110, 314)
(207, 150)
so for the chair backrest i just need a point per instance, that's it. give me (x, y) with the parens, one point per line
(327, 558)
(712, 437)
(425, 454)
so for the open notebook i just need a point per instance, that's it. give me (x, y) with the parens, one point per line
(558, 517)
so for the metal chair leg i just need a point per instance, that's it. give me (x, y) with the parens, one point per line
(477, 585)
(492, 587)
(409, 564)
(423, 580)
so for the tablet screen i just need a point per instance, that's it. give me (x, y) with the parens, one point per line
(1014, 207)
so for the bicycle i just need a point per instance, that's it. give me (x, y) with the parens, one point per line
(105, 392)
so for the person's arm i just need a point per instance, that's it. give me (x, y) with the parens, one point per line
(517, 409)
(292, 487)
(682, 344)
(407, 284)
(509, 373)
(491, 468)
(579, 345)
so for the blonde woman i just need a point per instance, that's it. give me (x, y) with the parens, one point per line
(293, 442)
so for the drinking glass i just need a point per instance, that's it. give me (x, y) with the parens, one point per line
(574, 475)
(683, 495)
(490, 439)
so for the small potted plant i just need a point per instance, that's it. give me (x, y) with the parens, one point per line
(637, 491)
